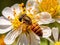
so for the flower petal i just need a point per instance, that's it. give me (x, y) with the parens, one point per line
(34, 10)
(8, 13)
(55, 33)
(34, 39)
(16, 7)
(23, 39)
(4, 21)
(29, 3)
(46, 31)
(11, 36)
(5, 28)
(31, 6)
(44, 18)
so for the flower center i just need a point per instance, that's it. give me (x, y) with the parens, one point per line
(49, 6)
(16, 23)
(57, 43)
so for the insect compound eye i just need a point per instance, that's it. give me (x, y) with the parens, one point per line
(27, 20)
(21, 17)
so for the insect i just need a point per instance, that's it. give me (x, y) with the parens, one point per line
(34, 27)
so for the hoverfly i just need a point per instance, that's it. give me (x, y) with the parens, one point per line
(34, 27)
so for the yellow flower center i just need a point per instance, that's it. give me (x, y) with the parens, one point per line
(32, 17)
(16, 23)
(49, 6)
(57, 43)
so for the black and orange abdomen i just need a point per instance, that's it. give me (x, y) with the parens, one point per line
(36, 29)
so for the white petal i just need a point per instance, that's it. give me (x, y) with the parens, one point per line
(4, 21)
(16, 7)
(5, 29)
(46, 31)
(11, 36)
(34, 10)
(29, 3)
(23, 39)
(44, 18)
(7, 12)
(55, 33)
(35, 40)
(58, 20)
(31, 6)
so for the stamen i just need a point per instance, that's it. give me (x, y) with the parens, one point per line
(22, 8)
(29, 4)
(16, 23)
(14, 12)
(29, 9)
(21, 5)
(49, 6)
(8, 17)
(57, 16)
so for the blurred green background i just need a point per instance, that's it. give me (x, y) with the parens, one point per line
(5, 3)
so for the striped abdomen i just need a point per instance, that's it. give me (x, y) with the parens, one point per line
(36, 29)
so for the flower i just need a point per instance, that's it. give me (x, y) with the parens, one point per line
(43, 14)
(55, 33)
(44, 18)
(9, 22)
(41, 17)
(49, 6)
(32, 6)
(52, 7)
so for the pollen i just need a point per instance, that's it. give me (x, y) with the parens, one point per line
(49, 6)
(32, 18)
(16, 23)
(57, 43)
(29, 4)
(22, 8)
(8, 17)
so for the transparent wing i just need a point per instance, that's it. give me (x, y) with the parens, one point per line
(34, 39)
(23, 39)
